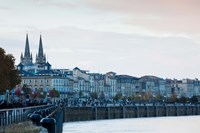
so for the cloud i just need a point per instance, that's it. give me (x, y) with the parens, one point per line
(166, 7)
(55, 3)
(4, 8)
(163, 16)
(132, 54)
(98, 51)
(135, 37)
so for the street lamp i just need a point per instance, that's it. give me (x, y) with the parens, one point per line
(164, 100)
(41, 93)
(7, 95)
(139, 98)
(13, 94)
(32, 95)
(154, 99)
(22, 94)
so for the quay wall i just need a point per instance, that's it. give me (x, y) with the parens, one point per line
(117, 112)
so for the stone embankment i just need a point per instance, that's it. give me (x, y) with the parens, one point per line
(53, 117)
(99, 113)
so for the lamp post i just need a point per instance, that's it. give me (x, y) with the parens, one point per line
(154, 99)
(22, 94)
(13, 95)
(164, 100)
(7, 95)
(41, 93)
(32, 95)
(139, 98)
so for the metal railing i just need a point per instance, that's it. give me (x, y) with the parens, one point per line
(10, 116)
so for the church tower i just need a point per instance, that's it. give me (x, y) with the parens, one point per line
(27, 58)
(40, 57)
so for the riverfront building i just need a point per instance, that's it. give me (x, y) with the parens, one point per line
(39, 75)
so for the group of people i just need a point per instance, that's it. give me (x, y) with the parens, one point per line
(19, 103)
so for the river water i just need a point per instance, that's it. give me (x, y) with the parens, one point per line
(186, 124)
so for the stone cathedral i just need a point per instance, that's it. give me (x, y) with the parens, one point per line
(27, 66)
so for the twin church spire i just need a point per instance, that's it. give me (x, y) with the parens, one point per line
(40, 57)
(27, 49)
(27, 59)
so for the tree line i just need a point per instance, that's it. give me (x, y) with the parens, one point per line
(9, 75)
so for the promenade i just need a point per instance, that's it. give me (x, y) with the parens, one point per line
(62, 114)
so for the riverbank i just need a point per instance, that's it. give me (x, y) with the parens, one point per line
(22, 127)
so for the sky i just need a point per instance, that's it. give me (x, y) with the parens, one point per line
(133, 37)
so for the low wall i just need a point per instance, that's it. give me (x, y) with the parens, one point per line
(116, 112)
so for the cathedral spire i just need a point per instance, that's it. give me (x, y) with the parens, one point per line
(21, 58)
(27, 49)
(21, 55)
(40, 51)
(40, 57)
(26, 59)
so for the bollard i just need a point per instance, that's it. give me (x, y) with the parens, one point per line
(39, 112)
(35, 118)
(47, 112)
(29, 115)
(43, 113)
(49, 124)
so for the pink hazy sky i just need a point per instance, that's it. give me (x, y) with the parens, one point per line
(135, 37)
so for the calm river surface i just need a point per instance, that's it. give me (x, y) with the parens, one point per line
(187, 124)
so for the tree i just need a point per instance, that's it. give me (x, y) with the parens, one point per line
(118, 96)
(8, 73)
(137, 97)
(36, 94)
(80, 93)
(102, 95)
(41, 93)
(194, 99)
(183, 99)
(18, 92)
(146, 96)
(159, 97)
(94, 95)
(26, 90)
(54, 93)
(173, 98)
